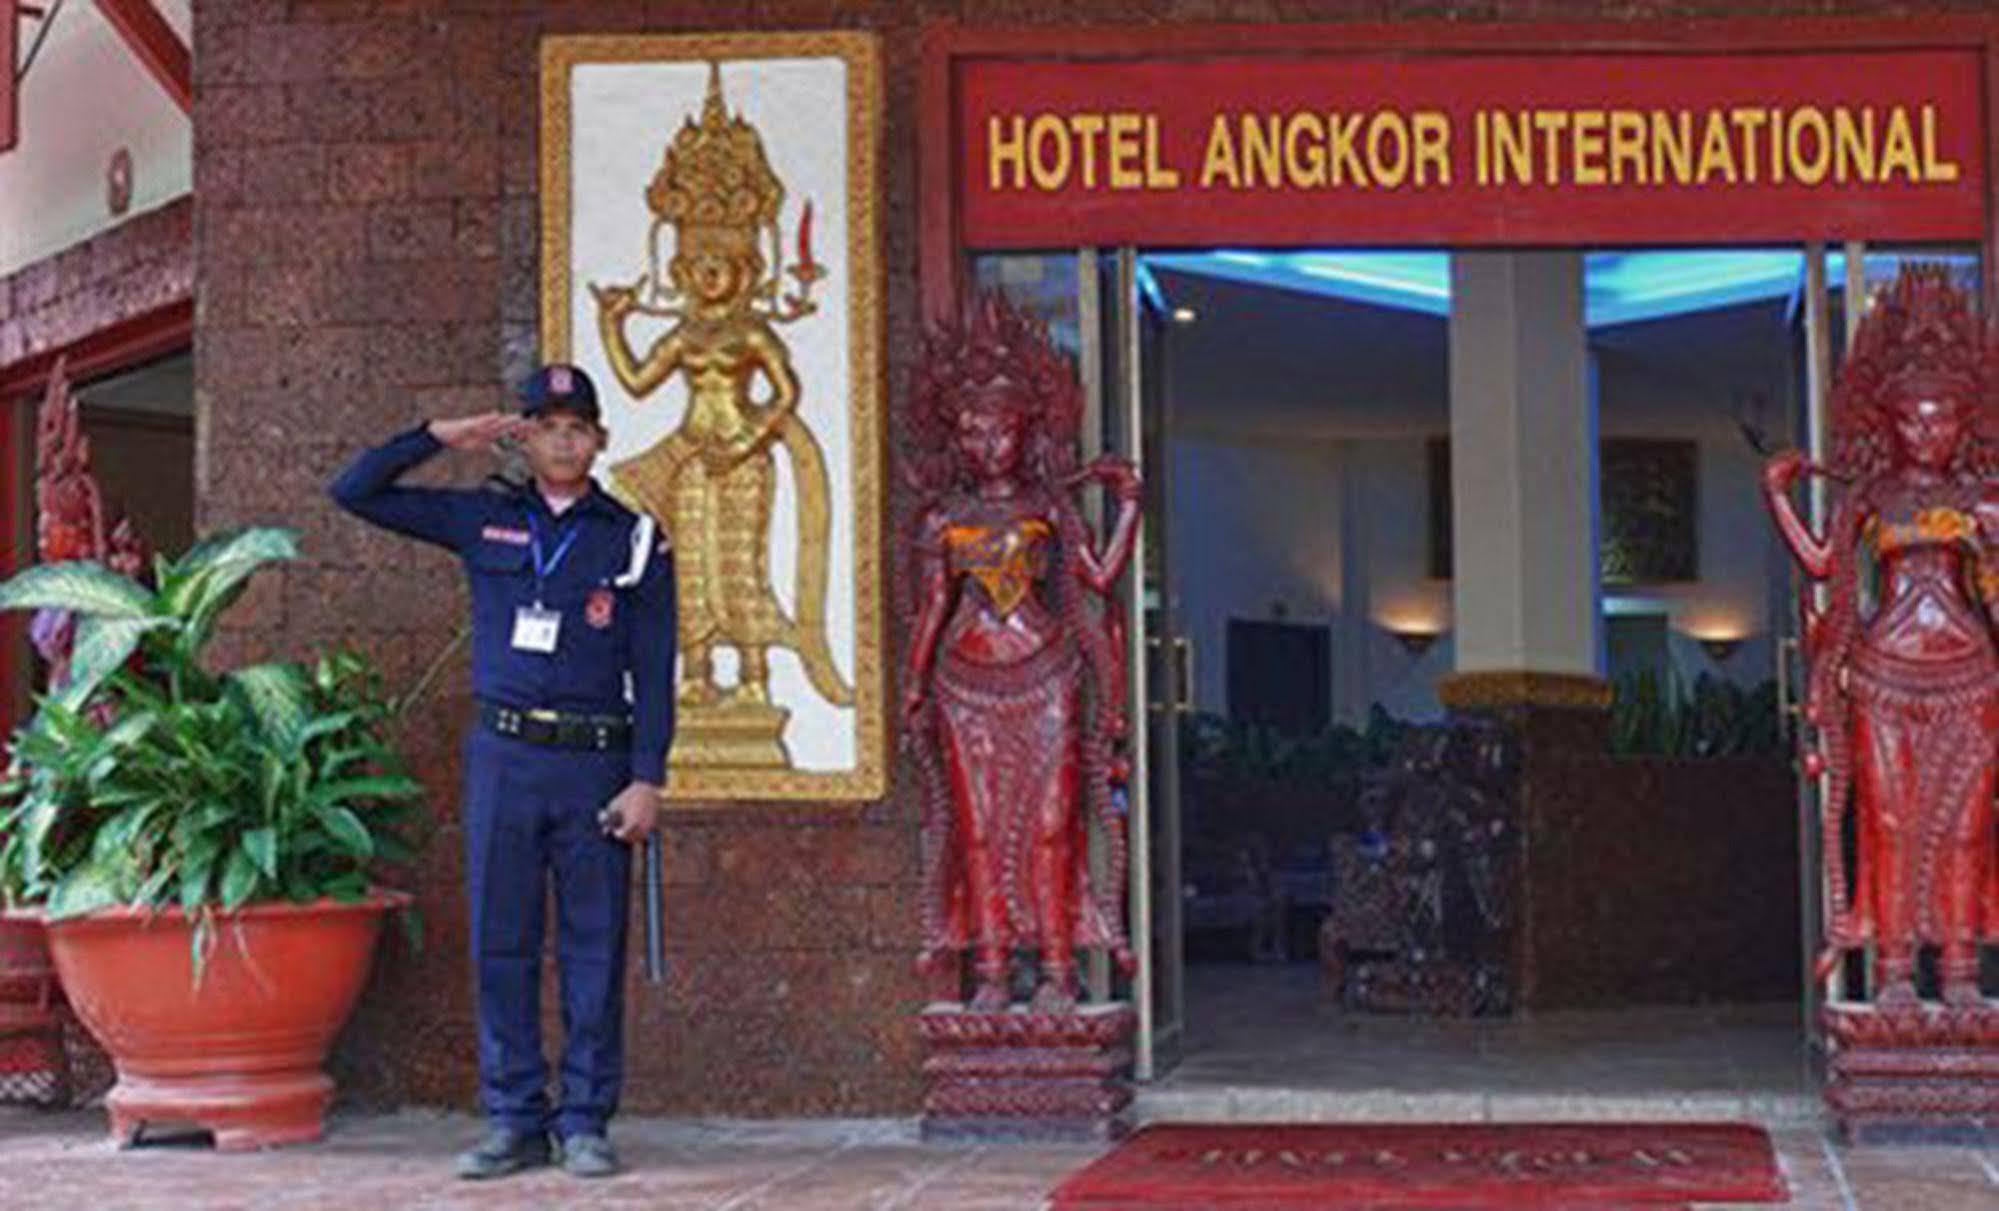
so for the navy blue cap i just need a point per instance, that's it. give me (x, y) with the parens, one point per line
(559, 387)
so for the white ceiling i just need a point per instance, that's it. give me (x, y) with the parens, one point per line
(165, 385)
(84, 98)
(1266, 362)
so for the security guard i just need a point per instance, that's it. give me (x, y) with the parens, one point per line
(572, 602)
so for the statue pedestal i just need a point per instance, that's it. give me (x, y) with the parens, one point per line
(1017, 1075)
(1926, 1073)
(730, 737)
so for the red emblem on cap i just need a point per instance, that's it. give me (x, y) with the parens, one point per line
(560, 381)
(597, 611)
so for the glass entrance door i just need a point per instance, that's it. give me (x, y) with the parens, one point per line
(1135, 427)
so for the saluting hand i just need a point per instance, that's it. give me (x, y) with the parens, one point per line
(478, 432)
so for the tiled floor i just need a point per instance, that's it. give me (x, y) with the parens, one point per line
(397, 1161)
(1263, 1043)
(1732, 1063)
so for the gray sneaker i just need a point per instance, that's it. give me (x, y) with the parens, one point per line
(503, 1151)
(586, 1155)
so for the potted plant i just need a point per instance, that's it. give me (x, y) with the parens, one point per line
(200, 844)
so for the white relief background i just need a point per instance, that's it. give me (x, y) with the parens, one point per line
(623, 116)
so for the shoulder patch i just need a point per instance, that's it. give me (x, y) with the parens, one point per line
(506, 534)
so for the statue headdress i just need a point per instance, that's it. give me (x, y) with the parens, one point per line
(1919, 337)
(714, 182)
(715, 188)
(993, 344)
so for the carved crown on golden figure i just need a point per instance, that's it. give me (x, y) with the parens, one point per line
(715, 177)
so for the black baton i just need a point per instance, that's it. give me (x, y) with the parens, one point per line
(655, 910)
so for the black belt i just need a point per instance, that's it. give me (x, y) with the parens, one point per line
(558, 729)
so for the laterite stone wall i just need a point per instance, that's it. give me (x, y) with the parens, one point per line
(366, 256)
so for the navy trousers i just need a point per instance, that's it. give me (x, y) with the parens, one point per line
(531, 812)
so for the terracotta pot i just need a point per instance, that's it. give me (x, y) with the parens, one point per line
(240, 1052)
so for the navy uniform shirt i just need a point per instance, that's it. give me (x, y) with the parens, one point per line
(608, 629)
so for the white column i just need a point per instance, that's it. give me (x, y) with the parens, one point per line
(1523, 466)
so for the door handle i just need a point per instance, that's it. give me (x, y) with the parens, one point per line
(1183, 674)
(1181, 701)
(1155, 673)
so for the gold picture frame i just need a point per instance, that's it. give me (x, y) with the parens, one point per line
(713, 761)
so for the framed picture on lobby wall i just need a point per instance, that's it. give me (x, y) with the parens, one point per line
(711, 258)
(1651, 510)
(1649, 495)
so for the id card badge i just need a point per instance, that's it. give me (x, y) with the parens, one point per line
(536, 629)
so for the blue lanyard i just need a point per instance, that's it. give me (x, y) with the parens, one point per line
(543, 569)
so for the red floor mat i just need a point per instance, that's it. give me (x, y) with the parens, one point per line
(1431, 1166)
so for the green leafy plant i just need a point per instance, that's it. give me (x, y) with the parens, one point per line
(1217, 748)
(1654, 716)
(151, 780)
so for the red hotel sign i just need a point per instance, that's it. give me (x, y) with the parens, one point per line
(1472, 149)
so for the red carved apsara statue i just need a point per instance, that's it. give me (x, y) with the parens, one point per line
(73, 521)
(1015, 685)
(1903, 696)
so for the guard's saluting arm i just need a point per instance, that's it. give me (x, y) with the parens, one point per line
(368, 489)
(652, 636)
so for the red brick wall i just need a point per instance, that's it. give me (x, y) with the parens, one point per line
(368, 257)
(365, 174)
(115, 277)
(1656, 881)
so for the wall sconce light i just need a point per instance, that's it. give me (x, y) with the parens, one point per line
(1720, 650)
(1416, 618)
(1415, 642)
(1719, 628)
